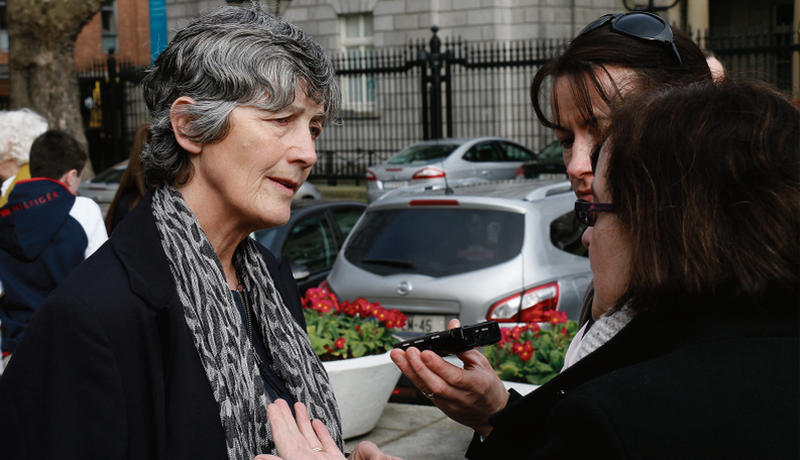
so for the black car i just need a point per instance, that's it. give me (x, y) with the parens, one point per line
(312, 237)
(548, 164)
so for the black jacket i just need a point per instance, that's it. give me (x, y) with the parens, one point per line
(704, 380)
(108, 369)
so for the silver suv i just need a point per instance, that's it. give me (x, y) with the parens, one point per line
(503, 251)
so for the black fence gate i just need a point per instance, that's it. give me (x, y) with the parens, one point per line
(393, 97)
(112, 109)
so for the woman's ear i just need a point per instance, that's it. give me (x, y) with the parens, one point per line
(179, 121)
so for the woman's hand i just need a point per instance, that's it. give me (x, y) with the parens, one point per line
(303, 438)
(467, 395)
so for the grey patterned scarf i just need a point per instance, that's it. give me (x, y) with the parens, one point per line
(226, 353)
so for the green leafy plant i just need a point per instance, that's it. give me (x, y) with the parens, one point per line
(348, 329)
(533, 353)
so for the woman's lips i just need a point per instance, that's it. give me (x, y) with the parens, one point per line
(288, 183)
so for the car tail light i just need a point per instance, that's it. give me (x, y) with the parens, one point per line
(520, 174)
(527, 307)
(370, 176)
(428, 172)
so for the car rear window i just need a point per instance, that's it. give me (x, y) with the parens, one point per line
(434, 241)
(422, 154)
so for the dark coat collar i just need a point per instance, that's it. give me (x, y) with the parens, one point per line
(137, 244)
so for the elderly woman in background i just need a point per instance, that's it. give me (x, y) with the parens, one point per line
(693, 245)
(171, 340)
(18, 129)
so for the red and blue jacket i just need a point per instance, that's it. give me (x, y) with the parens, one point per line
(45, 232)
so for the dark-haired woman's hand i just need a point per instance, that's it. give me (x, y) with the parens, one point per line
(468, 396)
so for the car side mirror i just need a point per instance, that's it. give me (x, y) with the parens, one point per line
(300, 272)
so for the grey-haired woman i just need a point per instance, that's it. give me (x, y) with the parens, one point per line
(171, 340)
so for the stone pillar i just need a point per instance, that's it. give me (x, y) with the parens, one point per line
(697, 17)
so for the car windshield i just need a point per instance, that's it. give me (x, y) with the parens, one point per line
(422, 154)
(112, 175)
(552, 151)
(434, 241)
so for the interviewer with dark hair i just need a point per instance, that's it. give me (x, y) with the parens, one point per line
(170, 342)
(693, 244)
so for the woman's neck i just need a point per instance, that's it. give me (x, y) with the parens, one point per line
(223, 234)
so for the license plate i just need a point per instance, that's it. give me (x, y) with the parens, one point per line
(389, 185)
(424, 323)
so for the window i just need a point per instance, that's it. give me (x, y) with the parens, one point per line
(483, 153)
(108, 27)
(358, 90)
(515, 152)
(565, 234)
(422, 241)
(311, 244)
(346, 219)
(3, 28)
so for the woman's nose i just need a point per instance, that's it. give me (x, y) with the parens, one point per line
(580, 164)
(304, 148)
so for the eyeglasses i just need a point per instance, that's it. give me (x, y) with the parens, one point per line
(637, 24)
(586, 211)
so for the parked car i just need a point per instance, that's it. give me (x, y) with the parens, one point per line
(312, 237)
(548, 164)
(503, 251)
(103, 186)
(441, 160)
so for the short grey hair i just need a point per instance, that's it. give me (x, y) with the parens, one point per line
(18, 130)
(232, 56)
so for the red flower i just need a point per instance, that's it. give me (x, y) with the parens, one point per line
(564, 331)
(555, 317)
(400, 318)
(357, 328)
(340, 342)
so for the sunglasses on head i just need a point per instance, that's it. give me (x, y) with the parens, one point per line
(586, 211)
(637, 24)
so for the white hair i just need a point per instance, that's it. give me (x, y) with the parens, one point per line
(18, 130)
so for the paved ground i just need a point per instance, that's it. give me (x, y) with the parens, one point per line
(414, 432)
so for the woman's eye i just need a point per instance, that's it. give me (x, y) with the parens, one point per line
(566, 142)
(315, 131)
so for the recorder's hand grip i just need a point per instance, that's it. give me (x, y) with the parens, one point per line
(456, 340)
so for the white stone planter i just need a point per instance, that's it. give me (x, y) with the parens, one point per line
(522, 388)
(362, 387)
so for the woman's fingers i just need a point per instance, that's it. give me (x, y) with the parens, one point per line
(328, 444)
(284, 429)
(304, 425)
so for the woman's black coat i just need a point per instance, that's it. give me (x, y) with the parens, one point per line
(706, 379)
(108, 369)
